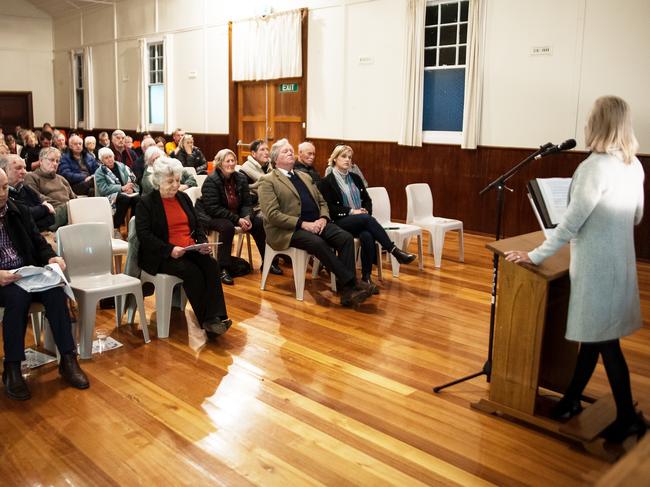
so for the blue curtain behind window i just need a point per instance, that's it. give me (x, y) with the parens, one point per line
(444, 96)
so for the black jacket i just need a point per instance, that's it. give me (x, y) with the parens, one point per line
(214, 202)
(153, 233)
(330, 190)
(26, 196)
(315, 177)
(27, 240)
(195, 160)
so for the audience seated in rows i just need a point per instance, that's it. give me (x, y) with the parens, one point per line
(190, 156)
(42, 212)
(296, 215)
(78, 167)
(166, 223)
(50, 186)
(146, 186)
(117, 182)
(226, 203)
(121, 152)
(350, 207)
(22, 244)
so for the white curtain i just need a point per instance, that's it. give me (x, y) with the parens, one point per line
(267, 48)
(474, 74)
(170, 112)
(89, 91)
(413, 74)
(142, 87)
(73, 91)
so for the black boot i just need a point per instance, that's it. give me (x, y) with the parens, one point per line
(226, 278)
(372, 285)
(566, 408)
(401, 256)
(619, 430)
(71, 372)
(15, 385)
(354, 294)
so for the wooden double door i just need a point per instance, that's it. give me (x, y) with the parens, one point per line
(270, 110)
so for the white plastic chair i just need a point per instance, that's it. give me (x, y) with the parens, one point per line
(419, 211)
(194, 193)
(86, 249)
(200, 179)
(98, 209)
(190, 170)
(399, 233)
(299, 259)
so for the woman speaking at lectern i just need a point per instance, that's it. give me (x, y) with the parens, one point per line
(605, 202)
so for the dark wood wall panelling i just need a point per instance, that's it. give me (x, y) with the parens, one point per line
(455, 176)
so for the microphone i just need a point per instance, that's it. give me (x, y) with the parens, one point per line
(566, 145)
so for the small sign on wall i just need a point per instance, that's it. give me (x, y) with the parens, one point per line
(288, 87)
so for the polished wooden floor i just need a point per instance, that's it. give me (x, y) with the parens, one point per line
(302, 393)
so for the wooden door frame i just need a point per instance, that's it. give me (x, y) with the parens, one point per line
(233, 125)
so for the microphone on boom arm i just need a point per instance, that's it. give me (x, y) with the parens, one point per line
(566, 145)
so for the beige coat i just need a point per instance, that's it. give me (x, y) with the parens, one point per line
(280, 205)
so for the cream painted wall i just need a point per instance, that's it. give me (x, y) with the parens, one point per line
(26, 52)
(527, 100)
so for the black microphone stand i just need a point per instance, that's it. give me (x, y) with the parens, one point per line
(499, 184)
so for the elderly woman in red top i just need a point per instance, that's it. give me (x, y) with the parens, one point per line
(166, 225)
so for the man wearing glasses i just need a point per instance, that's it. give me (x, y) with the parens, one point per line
(50, 186)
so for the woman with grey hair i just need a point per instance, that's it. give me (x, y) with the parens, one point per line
(117, 182)
(150, 156)
(168, 230)
(90, 144)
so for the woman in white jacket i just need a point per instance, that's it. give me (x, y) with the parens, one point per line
(606, 201)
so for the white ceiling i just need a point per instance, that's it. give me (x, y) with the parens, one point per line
(62, 8)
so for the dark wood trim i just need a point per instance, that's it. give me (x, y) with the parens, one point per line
(457, 175)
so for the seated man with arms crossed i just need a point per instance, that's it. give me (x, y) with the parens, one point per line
(296, 215)
(21, 244)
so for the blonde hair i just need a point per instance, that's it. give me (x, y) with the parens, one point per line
(338, 150)
(609, 128)
(221, 156)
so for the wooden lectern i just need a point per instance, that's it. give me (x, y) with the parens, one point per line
(530, 353)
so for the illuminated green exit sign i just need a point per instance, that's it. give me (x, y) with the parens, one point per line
(288, 87)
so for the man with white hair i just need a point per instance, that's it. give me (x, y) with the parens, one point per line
(78, 167)
(296, 215)
(305, 162)
(120, 151)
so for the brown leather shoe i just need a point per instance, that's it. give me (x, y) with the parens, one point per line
(71, 372)
(354, 295)
(15, 386)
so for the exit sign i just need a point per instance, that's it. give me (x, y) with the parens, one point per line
(288, 87)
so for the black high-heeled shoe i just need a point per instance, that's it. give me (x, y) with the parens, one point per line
(566, 409)
(618, 431)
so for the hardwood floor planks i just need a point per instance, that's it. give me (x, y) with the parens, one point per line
(302, 393)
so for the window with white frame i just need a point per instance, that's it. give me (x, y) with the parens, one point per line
(445, 52)
(79, 88)
(156, 86)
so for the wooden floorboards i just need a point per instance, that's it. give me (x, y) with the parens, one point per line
(302, 393)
